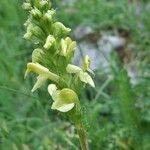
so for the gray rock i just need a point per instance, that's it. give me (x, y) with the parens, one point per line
(81, 31)
(98, 55)
(86, 48)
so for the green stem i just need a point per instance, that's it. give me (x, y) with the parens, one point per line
(82, 136)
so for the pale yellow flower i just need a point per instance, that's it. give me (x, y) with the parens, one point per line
(49, 42)
(83, 75)
(67, 47)
(64, 100)
(43, 74)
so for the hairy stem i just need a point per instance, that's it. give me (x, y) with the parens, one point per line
(82, 136)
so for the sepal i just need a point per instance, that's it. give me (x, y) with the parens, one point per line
(49, 42)
(40, 81)
(37, 55)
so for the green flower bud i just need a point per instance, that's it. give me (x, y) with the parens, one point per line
(60, 29)
(28, 1)
(49, 42)
(86, 63)
(67, 47)
(34, 30)
(37, 55)
(28, 21)
(44, 5)
(48, 15)
(38, 32)
(28, 36)
(36, 13)
(26, 6)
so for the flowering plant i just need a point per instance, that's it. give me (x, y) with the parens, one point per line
(52, 61)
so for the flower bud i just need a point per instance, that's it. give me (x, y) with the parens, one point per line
(63, 48)
(37, 31)
(49, 14)
(28, 36)
(67, 47)
(36, 13)
(28, 1)
(49, 42)
(44, 5)
(28, 21)
(86, 63)
(34, 30)
(36, 55)
(60, 29)
(26, 6)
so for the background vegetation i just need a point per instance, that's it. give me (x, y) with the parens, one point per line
(117, 113)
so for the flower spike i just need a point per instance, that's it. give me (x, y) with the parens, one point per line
(52, 61)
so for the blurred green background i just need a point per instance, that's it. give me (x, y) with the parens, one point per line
(116, 112)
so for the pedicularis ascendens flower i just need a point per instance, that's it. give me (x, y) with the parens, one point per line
(52, 58)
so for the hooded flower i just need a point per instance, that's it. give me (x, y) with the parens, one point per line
(36, 13)
(67, 47)
(64, 100)
(82, 74)
(60, 29)
(43, 73)
(49, 14)
(49, 42)
(37, 55)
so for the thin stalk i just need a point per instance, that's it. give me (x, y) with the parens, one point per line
(82, 136)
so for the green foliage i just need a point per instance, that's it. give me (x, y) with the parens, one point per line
(26, 121)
